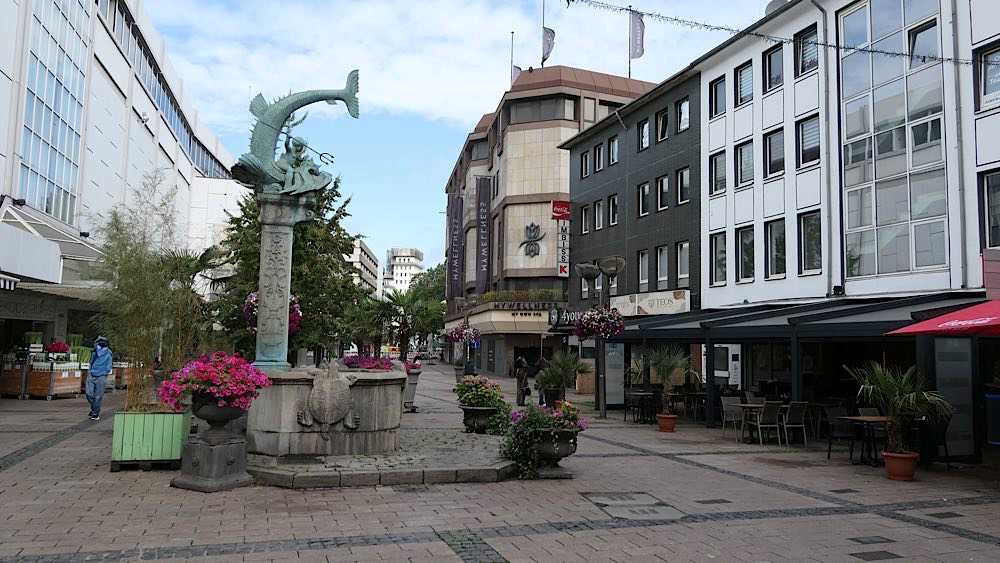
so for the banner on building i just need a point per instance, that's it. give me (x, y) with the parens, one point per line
(562, 248)
(456, 247)
(561, 210)
(484, 231)
(637, 37)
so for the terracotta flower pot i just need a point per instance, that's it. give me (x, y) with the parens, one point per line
(667, 422)
(900, 466)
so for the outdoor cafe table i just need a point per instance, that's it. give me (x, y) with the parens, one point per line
(868, 453)
(646, 412)
(748, 410)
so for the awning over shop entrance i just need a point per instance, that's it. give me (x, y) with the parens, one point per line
(982, 319)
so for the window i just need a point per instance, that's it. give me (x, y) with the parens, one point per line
(807, 139)
(643, 197)
(661, 125)
(599, 158)
(683, 118)
(717, 250)
(613, 210)
(613, 286)
(926, 144)
(855, 27)
(744, 164)
(683, 263)
(584, 288)
(859, 208)
(744, 254)
(774, 153)
(585, 164)
(717, 97)
(683, 185)
(662, 193)
(806, 51)
(744, 84)
(643, 270)
(929, 244)
(774, 68)
(598, 215)
(861, 253)
(810, 243)
(923, 46)
(599, 283)
(662, 267)
(642, 134)
(584, 219)
(991, 185)
(613, 150)
(893, 249)
(717, 173)
(924, 92)
(989, 78)
(774, 253)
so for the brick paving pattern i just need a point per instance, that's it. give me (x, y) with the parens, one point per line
(637, 495)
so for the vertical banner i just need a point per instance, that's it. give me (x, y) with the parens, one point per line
(456, 246)
(484, 226)
(561, 212)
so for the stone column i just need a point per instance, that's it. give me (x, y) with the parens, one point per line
(278, 215)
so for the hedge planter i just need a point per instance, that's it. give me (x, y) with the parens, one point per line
(900, 466)
(477, 418)
(666, 422)
(552, 445)
(142, 438)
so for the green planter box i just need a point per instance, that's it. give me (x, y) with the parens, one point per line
(145, 438)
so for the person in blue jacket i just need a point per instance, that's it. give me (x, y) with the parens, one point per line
(100, 367)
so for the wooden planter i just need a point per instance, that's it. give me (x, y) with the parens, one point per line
(50, 383)
(145, 438)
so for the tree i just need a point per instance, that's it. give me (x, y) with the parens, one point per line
(366, 323)
(321, 277)
(429, 284)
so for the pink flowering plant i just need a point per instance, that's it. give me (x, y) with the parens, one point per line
(57, 347)
(605, 322)
(531, 426)
(463, 333)
(294, 313)
(367, 362)
(228, 378)
(414, 366)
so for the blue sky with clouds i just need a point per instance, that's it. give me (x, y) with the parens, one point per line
(429, 69)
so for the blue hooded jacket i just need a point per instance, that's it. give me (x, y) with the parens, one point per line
(100, 361)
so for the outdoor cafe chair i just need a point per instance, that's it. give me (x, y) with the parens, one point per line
(767, 419)
(839, 429)
(795, 417)
(731, 413)
(868, 411)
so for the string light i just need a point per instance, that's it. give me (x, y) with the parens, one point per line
(700, 25)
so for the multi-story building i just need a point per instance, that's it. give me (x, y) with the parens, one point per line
(366, 274)
(91, 112)
(401, 265)
(503, 245)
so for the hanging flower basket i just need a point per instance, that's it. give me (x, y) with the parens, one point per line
(463, 333)
(294, 313)
(605, 322)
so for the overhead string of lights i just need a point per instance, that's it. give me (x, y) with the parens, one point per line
(705, 26)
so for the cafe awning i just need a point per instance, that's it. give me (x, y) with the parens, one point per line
(982, 319)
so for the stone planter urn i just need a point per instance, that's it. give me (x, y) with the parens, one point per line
(206, 407)
(410, 392)
(215, 459)
(477, 418)
(552, 445)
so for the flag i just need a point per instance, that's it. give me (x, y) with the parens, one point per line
(637, 48)
(548, 41)
(515, 71)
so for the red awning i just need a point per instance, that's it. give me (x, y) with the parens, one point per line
(982, 319)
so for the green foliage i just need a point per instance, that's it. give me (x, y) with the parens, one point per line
(499, 424)
(530, 426)
(479, 391)
(366, 322)
(429, 284)
(412, 315)
(560, 371)
(522, 295)
(901, 395)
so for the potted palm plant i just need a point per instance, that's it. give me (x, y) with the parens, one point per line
(670, 362)
(903, 397)
(560, 372)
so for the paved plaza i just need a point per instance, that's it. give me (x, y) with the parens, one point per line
(637, 496)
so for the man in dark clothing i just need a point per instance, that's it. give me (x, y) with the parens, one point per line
(97, 378)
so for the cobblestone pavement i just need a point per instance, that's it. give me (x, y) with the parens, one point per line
(637, 496)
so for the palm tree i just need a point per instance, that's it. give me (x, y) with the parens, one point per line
(668, 360)
(560, 372)
(408, 310)
(367, 321)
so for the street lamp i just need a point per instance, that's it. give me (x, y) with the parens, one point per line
(611, 267)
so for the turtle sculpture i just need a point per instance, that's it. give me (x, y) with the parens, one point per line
(329, 403)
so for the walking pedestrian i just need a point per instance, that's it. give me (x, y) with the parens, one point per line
(97, 378)
(521, 377)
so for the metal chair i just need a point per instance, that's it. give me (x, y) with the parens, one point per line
(868, 411)
(731, 413)
(839, 429)
(767, 419)
(795, 417)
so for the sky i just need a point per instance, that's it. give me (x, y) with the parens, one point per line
(428, 71)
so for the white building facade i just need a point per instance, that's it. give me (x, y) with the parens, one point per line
(366, 268)
(401, 265)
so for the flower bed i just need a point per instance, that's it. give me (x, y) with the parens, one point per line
(540, 436)
(229, 379)
(367, 362)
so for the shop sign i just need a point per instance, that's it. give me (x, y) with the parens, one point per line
(562, 248)
(561, 210)
(655, 303)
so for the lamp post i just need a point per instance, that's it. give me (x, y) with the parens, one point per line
(611, 267)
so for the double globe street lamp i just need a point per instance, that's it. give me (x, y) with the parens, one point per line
(611, 267)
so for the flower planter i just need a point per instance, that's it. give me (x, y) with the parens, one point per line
(410, 392)
(900, 466)
(666, 422)
(552, 445)
(206, 407)
(554, 396)
(476, 419)
(148, 437)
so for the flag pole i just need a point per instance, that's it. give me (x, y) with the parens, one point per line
(511, 57)
(543, 33)
(628, 20)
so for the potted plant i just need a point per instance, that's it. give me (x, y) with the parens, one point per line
(480, 399)
(903, 397)
(540, 437)
(560, 371)
(669, 362)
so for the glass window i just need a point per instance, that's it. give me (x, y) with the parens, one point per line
(643, 197)
(744, 84)
(917, 10)
(923, 45)
(810, 243)
(717, 248)
(589, 109)
(683, 115)
(682, 184)
(643, 270)
(806, 51)
(774, 153)
(928, 194)
(642, 133)
(854, 27)
(774, 255)
(717, 173)
(924, 92)
(599, 158)
(662, 267)
(584, 219)
(926, 142)
(887, 16)
(807, 132)
(661, 125)
(890, 105)
(891, 202)
(613, 209)
(859, 208)
(857, 117)
(858, 162)
(992, 189)
(861, 254)
(585, 164)
(989, 71)
(888, 67)
(744, 254)
(744, 164)
(929, 244)
(894, 249)
(684, 262)
(584, 288)
(855, 73)
(613, 150)
(598, 215)
(662, 192)
(890, 153)
(717, 97)
(773, 68)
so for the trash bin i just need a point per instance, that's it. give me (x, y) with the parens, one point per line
(993, 419)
